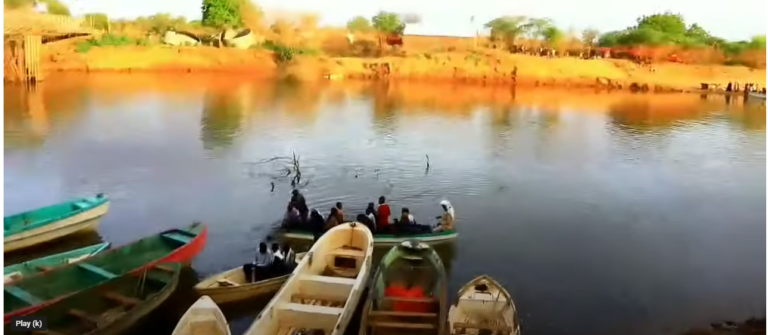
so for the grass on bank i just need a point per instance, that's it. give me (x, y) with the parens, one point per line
(110, 40)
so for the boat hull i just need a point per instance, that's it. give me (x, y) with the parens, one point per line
(203, 317)
(381, 313)
(239, 291)
(388, 240)
(81, 222)
(324, 290)
(44, 263)
(183, 254)
(491, 309)
(137, 296)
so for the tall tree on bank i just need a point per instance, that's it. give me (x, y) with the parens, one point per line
(222, 13)
(387, 23)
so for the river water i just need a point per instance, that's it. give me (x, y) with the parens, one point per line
(601, 213)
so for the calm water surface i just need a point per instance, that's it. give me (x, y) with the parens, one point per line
(602, 214)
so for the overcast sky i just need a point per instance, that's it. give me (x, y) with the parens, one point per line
(732, 20)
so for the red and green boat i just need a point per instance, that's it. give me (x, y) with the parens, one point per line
(29, 294)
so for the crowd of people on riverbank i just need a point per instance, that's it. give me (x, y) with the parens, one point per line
(377, 219)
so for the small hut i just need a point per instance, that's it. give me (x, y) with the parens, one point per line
(180, 38)
(240, 40)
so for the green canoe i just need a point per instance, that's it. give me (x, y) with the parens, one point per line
(51, 222)
(412, 264)
(112, 307)
(27, 295)
(28, 268)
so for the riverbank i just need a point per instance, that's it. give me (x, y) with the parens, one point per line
(487, 67)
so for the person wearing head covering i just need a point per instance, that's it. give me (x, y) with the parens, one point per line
(298, 201)
(339, 212)
(292, 218)
(448, 218)
(316, 223)
(333, 219)
(370, 212)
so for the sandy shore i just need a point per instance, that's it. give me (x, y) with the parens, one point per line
(484, 68)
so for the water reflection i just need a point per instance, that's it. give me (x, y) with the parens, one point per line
(222, 116)
(590, 207)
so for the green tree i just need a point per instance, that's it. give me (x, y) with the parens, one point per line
(98, 20)
(508, 29)
(222, 13)
(757, 42)
(538, 26)
(388, 23)
(162, 22)
(553, 36)
(359, 24)
(589, 36)
(668, 23)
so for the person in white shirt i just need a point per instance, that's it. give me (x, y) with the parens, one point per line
(276, 253)
(290, 256)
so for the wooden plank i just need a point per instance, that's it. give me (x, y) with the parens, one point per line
(407, 314)
(122, 299)
(393, 299)
(97, 270)
(82, 315)
(165, 267)
(465, 325)
(310, 297)
(402, 325)
(23, 295)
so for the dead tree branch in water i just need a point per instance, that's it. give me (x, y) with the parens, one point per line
(289, 166)
(426, 171)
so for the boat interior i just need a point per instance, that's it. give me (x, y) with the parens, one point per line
(389, 314)
(315, 296)
(203, 318)
(483, 307)
(107, 302)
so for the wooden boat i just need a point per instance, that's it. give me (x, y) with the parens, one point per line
(202, 318)
(381, 240)
(52, 222)
(113, 307)
(325, 288)
(484, 305)
(414, 264)
(28, 268)
(32, 293)
(231, 285)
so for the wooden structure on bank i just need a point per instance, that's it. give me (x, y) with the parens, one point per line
(26, 32)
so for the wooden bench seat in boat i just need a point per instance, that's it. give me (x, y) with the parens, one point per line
(226, 283)
(178, 237)
(308, 316)
(492, 327)
(318, 299)
(82, 315)
(330, 287)
(97, 270)
(114, 296)
(23, 295)
(401, 325)
(401, 314)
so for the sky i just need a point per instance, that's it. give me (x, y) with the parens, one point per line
(731, 20)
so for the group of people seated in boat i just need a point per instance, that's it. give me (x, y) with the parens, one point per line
(298, 216)
(270, 263)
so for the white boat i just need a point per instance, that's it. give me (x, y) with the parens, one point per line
(484, 305)
(756, 95)
(202, 318)
(231, 285)
(325, 288)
